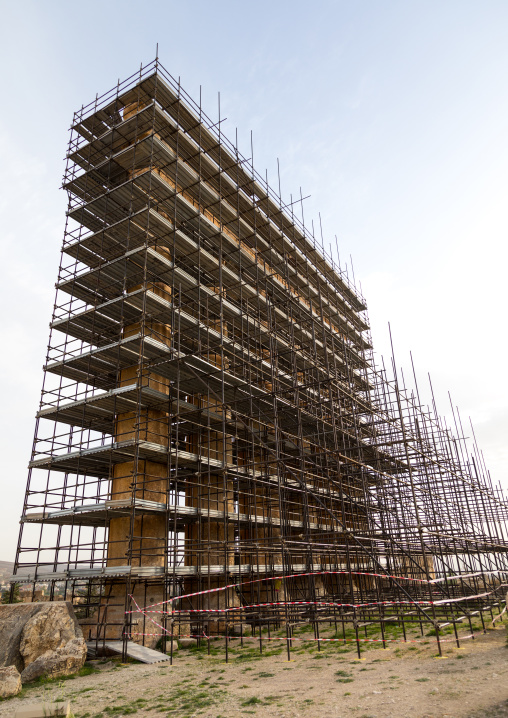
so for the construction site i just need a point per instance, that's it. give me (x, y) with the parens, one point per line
(217, 454)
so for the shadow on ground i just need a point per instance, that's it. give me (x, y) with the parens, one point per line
(500, 710)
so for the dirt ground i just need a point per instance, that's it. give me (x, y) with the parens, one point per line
(405, 680)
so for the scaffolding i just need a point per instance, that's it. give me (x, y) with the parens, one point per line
(216, 452)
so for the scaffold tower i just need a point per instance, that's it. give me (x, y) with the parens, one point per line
(214, 435)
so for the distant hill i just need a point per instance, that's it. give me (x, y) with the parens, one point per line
(6, 569)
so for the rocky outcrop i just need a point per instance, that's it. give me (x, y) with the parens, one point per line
(41, 639)
(10, 682)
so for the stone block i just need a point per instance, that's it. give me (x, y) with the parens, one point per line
(10, 682)
(187, 642)
(44, 710)
(241, 629)
(168, 646)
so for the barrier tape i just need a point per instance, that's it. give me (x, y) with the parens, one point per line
(146, 610)
(327, 573)
(150, 619)
(460, 576)
(499, 616)
(285, 603)
(335, 604)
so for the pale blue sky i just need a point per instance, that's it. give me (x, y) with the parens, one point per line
(392, 115)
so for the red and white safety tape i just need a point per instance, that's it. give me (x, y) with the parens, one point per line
(321, 573)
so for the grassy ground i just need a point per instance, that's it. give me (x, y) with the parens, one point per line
(326, 680)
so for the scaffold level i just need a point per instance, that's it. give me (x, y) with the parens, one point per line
(214, 435)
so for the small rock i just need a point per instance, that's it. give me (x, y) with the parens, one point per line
(187, 642)
(104, 665)
(10, 682)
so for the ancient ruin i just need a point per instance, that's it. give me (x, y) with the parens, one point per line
(214, 435)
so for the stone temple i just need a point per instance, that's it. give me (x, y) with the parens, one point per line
(212, 416)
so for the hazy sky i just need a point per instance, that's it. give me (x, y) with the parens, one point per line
(392, 116)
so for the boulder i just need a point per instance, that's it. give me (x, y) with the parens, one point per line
(13, 617)
(49, 630)
(41, 639)
(10, 682)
